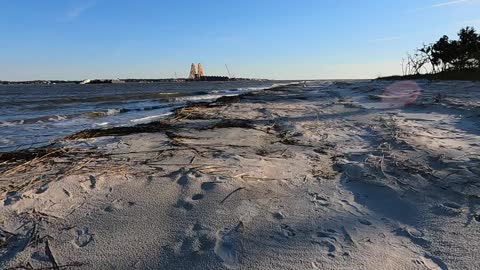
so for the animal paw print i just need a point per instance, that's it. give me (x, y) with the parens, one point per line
(82, 237)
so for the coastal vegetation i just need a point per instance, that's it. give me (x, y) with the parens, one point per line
(448, 59)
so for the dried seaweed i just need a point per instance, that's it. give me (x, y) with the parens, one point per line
(232, 123)
(153, 127)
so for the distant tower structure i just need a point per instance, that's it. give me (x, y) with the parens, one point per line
(200, 71)
(193, 72)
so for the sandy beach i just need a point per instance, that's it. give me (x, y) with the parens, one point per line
(316, 175)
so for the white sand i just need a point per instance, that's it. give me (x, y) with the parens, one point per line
(329, 176)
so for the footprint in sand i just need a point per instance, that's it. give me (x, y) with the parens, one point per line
(328, 235)
(183, 177)
(279, 215)
(365, 222)
(195, 244)
(206, 242)
(197, 197)
(82, 237)
(431, 263)
(448, 209)
(150, 179)
(40, 256)
(326, 242)
(347, 238)
(203, 237)
(326, 246)
(183, 180)
(319, 200)
(207, 186)
(184, 204)
(228, 246)
(12, 198)
(185, 247)
(118, 205)
(42, 188)
(416, 236)
(287, 231)
(477, 217)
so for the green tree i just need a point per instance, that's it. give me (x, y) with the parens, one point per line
(469, 48)
(446, 54)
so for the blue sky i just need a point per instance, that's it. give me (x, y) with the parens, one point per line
(278, 39)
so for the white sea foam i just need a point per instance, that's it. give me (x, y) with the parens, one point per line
(150, 118)
(6, 141)
(6, 124)
(112, 111)
(232, 92)
(55, 118)
(199, 97)
(11, 123)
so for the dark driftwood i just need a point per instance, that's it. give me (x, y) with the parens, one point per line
(230, 194)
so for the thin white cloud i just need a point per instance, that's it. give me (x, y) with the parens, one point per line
(439, 5)
(456, 2)
(77, 11)
(384, 39)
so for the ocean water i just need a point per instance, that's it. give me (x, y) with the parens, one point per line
(36, 115)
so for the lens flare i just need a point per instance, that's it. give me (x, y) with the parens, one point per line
(401, 94)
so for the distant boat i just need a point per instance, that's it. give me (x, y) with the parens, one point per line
(117, 81)
(89, 81)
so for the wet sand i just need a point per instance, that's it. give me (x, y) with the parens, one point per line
(326, 175)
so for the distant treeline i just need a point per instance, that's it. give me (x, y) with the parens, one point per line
(38, 82)
(446, 59)
(97, 81)
(461, 75)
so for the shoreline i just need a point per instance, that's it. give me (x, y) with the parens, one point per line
(59, 124)
(327, 175)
